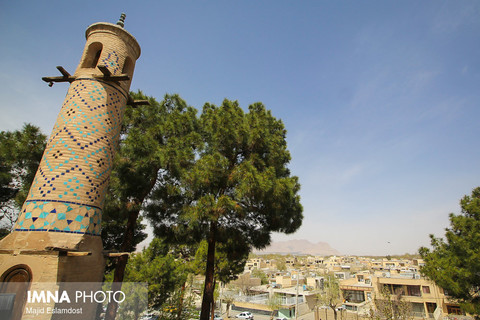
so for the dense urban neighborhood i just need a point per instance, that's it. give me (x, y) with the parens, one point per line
(365, 284)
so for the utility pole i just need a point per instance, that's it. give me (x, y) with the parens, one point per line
(296, 302)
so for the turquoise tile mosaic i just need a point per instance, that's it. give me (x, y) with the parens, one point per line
(69, 188)
(59, 216)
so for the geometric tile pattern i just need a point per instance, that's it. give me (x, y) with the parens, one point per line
(112, 62)
(68, 190)
(59, 217)
(78, 158)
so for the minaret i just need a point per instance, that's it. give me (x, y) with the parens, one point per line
(57, 235)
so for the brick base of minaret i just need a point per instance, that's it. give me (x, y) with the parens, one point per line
(77, 258)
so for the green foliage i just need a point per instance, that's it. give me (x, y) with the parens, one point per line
(228, 297)
(238, 180)
(155, 145)
(113, 230)
(135, 302)
(281, 265)
(256, 273)
(154, 137)
(20, 154)
(175, 310)
(330, 296)
(391, 306)
(454, 262)
(234, 191)
(274, 302)
(164, 272)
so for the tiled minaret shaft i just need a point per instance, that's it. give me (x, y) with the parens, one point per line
(57, 235)
(68, 191)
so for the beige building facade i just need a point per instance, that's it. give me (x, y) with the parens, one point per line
(423, 296)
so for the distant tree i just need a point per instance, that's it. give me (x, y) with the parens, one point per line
(281, 265)
(238, 190)
(164, 269)
(330, 296)
(453, 263)
(256, 273)
(228, 298)
(274, 302)
(391, 306)
(244, 283)
(20, 154)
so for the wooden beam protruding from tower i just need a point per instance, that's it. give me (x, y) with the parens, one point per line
(107, 75)
(66, 77)
(135, 103)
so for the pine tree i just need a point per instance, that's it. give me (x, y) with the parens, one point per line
(236, 192)
(453, 263)
(156, 139)
(20, 154)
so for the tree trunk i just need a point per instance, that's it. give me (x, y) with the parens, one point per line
(213, 299)
(122, 264)
(209, 275)
(334, 313)
(180, 307)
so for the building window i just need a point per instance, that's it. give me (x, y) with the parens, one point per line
(418, 310)
(426, 289)
(413, 291)
(454, 310)
(355, 296)
(431, 307)
(398, 289)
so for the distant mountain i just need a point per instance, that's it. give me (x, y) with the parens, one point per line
(299, 247)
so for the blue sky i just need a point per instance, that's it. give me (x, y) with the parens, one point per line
(380, 98)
